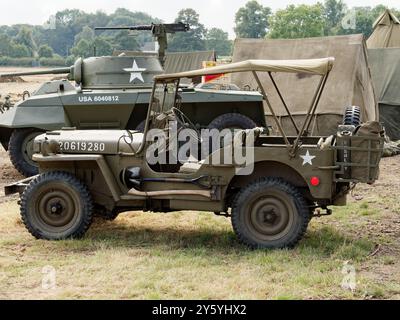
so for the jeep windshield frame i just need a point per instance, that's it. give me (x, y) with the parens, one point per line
(321, 67)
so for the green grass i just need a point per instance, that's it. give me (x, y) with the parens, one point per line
(189, 256)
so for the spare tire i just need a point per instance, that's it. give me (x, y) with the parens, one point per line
(352, 116)
(226, 121)
(232, 121)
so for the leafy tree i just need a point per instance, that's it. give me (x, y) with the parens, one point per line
(70, 60)
(301, 21)
(218, 40)
(124, 40)
(25, 38)
(5, 45)
(252, 20)
(87, 34)
(192, 40)
(45, 51)
(124, 17)
(20, 51)
(364, 20)
(334, 12)
(82, 49)
(103, 47)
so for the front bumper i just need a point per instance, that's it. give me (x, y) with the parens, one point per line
(17, 187)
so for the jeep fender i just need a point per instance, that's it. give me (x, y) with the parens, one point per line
(275, 162)
(69, 160)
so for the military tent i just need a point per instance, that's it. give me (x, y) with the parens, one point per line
(349, 82)
(385, 70)
(386, 32)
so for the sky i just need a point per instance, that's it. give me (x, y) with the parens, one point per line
(213, 13)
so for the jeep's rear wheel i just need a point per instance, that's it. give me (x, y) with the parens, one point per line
(270, 214)
(56, 206)
(20, 149)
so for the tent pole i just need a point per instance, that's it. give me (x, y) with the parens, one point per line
(283, 102)
(270, 108)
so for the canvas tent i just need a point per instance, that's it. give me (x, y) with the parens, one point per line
(349, 82)
(386, 32)
(385, 70)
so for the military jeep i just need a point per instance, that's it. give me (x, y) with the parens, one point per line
(270, 197)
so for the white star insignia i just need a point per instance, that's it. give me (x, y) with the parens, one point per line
(307, 158)
(136, 72)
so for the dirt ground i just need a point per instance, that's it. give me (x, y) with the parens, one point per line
(30, 83)
(195, 255)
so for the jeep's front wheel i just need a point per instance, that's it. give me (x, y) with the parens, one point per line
(20, 149)
(56, 206)
(270, 213)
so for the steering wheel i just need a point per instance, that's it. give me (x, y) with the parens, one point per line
(185, 122)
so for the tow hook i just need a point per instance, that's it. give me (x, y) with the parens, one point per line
(318, 213)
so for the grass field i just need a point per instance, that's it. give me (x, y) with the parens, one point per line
(196, 256)
(191, 255)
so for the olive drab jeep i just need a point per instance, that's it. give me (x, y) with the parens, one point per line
(113, 93)
(271, 196)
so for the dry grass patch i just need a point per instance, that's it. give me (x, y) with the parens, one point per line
(188, 255)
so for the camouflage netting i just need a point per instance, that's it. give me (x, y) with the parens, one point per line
(349, 82)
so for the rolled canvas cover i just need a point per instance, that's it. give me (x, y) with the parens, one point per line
(306, 66)
(349, 82)
(385, 70)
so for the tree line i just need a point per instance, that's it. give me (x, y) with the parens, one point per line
(70, 33)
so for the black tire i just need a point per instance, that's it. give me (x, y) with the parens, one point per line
(270, 213)
(56, 206)
(226, 121)
(232, 120)
(352, 116)
(20, 149)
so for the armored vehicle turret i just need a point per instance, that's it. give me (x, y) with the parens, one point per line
(113, 93)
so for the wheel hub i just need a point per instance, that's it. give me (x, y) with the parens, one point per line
(56, 208)
(270, 216)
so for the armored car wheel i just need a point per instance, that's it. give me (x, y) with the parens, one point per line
(270, 214)
(20, 149)
(56, 206)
